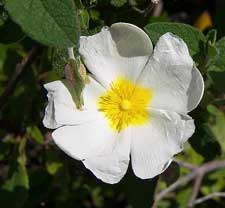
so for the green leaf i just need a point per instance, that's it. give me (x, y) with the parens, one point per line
(211, 36)
(203, 140)
(10, 32)
(74, 81)
(171, 174)
(4, 150)
(183, 196)
(193, 37)
(139, 192)
(219, 59)
(217, 124)
(84, 20)
(118, 3)
(51, 22)
(53, 162)
(35, 133)
(59, 60)
(14, 190)
(217, 77)
(40, 186)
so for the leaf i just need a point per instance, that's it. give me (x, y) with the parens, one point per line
(10, 33)
(139, 192)
(183, 196)
(84, 20)
(35, 133)
(193, 37)
(40, 186)
(219, 59)
(53, 163)
(74, 82)
(211, 49)
(217, 77)
(203, 140)
(4, 150)
(217, 124)
(118, 3)
(211, 36)
(59, 60)
(14, 190)
(51, 22)
(171, 174)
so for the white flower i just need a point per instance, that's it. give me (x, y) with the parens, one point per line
(135, 105)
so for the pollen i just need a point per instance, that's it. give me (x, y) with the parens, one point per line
(124, 104)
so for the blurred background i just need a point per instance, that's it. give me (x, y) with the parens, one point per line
(35, 173)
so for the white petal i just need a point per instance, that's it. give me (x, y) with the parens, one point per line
(121, 50)
(177, 85)
(103, 151)
(196, 90)
(81, 141)
(111, 164)
(154, 144)
(61, 109)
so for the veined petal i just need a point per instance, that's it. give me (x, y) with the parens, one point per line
(121, 50)
(81, 141)
(61, 109)
(154, 144)
(111, 164)
(103, 151)
(177, 84)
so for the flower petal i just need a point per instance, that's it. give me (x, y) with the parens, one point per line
(61, 109)
(121, 50)
(103, 151)
(177, 85)
(81, 141)
(111, 164)
(154, 144)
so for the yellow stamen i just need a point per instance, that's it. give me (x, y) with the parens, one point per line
(124, 104)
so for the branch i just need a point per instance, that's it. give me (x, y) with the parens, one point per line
(155, 5)
(202, 170)
(208, 197)
(20, 68)
(195, 192)
(181, 182)
(185, 164)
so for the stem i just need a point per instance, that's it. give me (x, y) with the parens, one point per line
(20, 68)
(71, 53)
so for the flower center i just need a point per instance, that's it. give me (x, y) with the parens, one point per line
(125, 104)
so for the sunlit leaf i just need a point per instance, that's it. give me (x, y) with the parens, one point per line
(51, 22)
(193, 37)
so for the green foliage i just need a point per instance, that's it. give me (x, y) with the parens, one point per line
(33, 171)
(138, 191)
(84, 20)
(204, 139)
(10, 32)
(193, 37)
(218, 61)
(217, 123)
(74, 81)
(51, 22)
(59, 60)
(171, 174)
(53, 162)
(35, 133)
(118, 3)
(17, 184)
